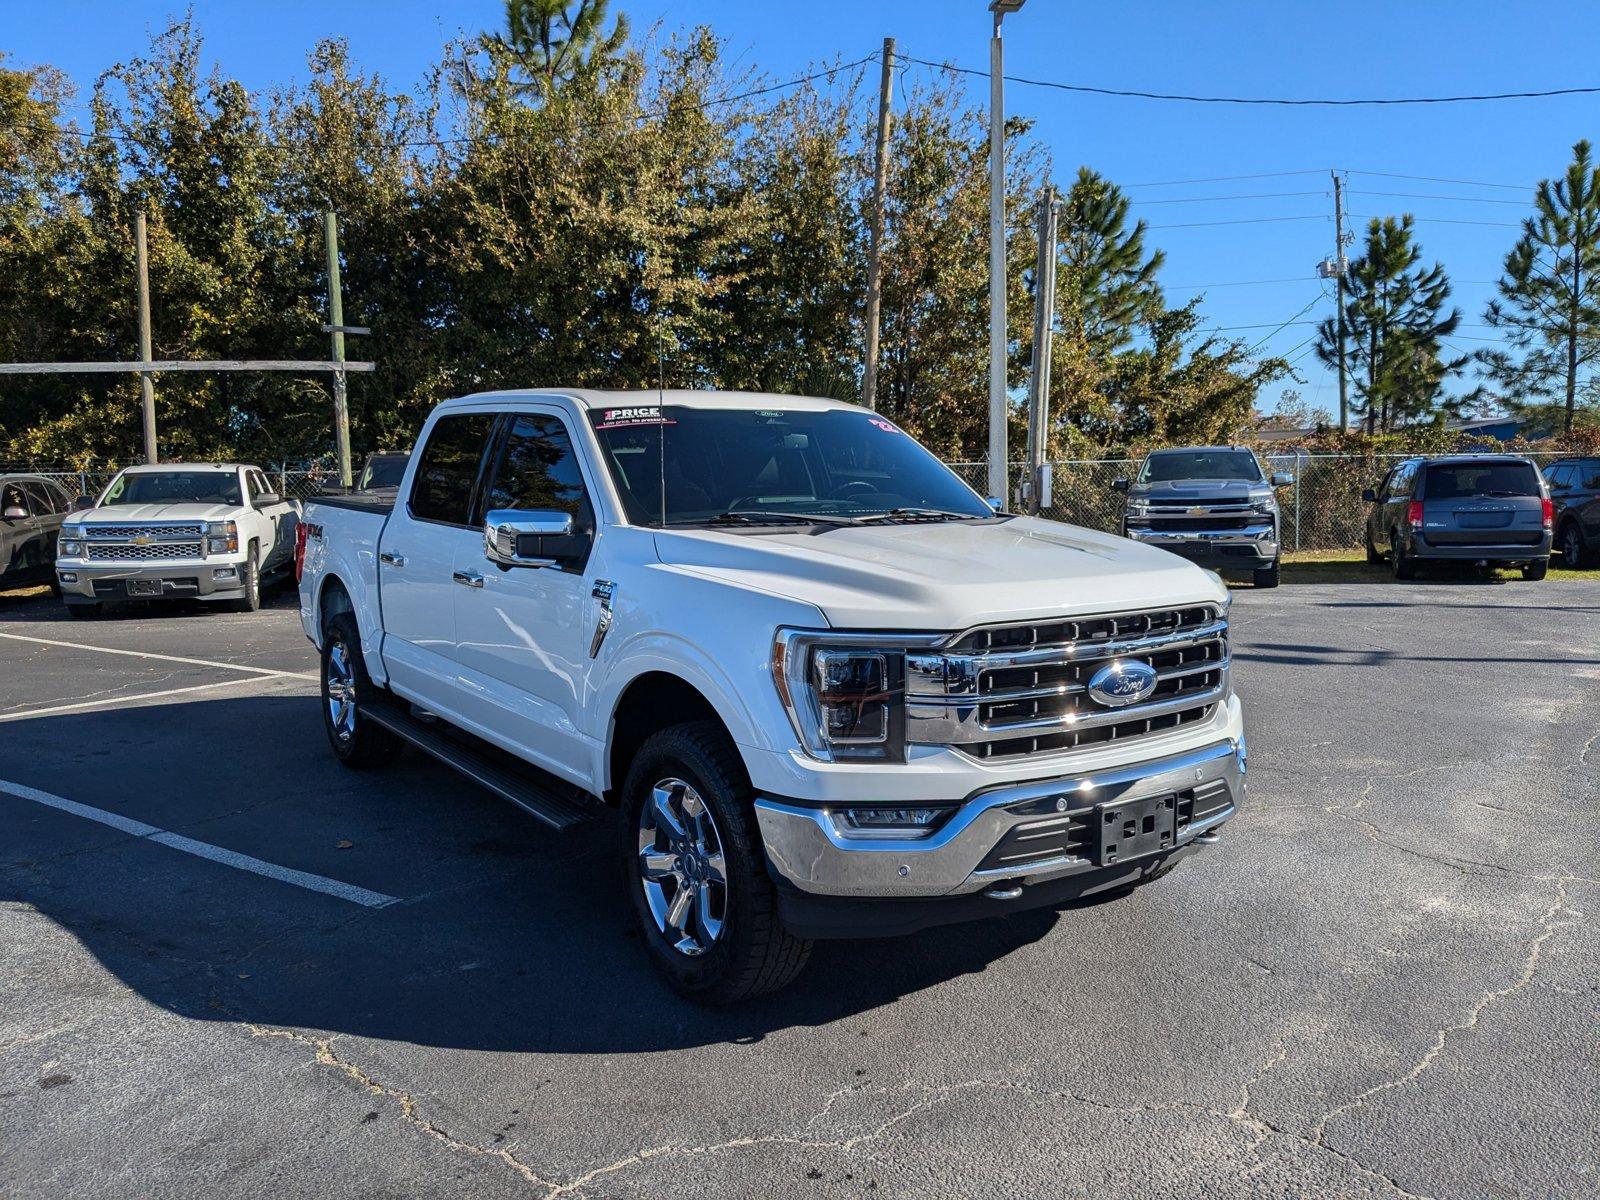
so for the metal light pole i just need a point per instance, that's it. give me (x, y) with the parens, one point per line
(997, 252)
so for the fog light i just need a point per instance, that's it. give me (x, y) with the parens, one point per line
(224, 573)
(889, 822)
(68, 576)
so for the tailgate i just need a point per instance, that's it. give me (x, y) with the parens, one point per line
(1482, 504)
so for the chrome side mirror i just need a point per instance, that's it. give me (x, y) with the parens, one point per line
(263, 499)
(528, 537)
(1282, 479)
(14, 512)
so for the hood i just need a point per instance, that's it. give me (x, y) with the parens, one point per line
(944, 577)
(128, 513)
(1202, 489)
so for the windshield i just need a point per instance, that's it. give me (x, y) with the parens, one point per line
(174, 487)
(701, 464)
(383, 470)
(1459, 481)
(1200, 464)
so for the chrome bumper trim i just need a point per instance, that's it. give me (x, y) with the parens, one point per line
(808, 850)
(1250, 535)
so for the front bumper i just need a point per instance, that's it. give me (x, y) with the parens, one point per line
(1252, 546)
(83, 581)
(810, 851)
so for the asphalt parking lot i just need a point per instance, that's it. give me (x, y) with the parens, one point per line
(1385, 981)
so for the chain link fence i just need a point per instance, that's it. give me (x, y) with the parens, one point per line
(1322, 509)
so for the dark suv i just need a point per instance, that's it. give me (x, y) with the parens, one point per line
(1574, 485)
(1487, 509)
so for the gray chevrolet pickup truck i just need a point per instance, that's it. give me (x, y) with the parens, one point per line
(1214, 505)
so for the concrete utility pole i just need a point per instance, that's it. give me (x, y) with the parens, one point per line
(1044, 312)
(147, 385)
(341, 399)
(880, 181)
(997, 251)
(1340, 268)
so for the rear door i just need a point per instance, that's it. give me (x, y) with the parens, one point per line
(429, 531)
(523, 633)
(1495, 502)
(280, 516)
(19, 531)
(1585, 497)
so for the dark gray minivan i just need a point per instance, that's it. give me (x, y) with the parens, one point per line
(1488, 509)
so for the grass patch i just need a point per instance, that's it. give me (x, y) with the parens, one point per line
(1351, 566)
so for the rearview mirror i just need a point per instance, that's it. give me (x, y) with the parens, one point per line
(1120, 483)
(1368, 495)
(14, 512)
(532, 538)
(1282, 479)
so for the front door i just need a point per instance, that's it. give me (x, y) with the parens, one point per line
(523, 633)
(428, 531)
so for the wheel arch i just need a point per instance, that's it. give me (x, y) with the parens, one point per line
(650, 702)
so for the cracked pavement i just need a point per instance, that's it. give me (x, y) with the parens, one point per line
(1384, 982)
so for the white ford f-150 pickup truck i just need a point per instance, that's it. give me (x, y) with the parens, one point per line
(830, 691)
(205, 531)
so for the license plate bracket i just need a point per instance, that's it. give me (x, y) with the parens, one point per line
(1129, 829)
(144, 587)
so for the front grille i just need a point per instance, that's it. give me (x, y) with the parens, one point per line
(125, 532)
(124, 552)
(1023, 689)
(1185, 524)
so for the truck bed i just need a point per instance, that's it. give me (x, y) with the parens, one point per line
(380, 502)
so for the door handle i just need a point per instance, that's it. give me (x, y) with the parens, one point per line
(468, 578)
(391, 560)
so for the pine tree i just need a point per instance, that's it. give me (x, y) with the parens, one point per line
(1396, 323)
(1549, 301)
(553, 40)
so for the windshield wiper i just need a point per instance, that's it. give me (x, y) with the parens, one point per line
(917, 514)
(759, 516)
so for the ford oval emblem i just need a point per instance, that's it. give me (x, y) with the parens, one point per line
(1121, 682)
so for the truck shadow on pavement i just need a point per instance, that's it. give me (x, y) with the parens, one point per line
(504, 937)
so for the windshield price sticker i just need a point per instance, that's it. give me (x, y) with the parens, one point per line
(621, 418)
(886, 426)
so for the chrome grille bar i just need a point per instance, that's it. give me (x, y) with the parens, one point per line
(1033, 697)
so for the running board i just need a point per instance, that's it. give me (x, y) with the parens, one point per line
(544, 803)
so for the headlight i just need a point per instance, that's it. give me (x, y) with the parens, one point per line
(1138, 508)
(70, 543)
(222, 537)
(845, 694)
(1265, 505)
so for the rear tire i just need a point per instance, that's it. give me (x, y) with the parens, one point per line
(1535, 571)
(1574, 554)
(723, 941)
(1405, 566)
(356, 742)
(251, 579)
(1267, 577)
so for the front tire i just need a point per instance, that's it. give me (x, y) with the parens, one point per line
(356, 741)
(251, 600)
(693, 868)
(1267, 577)
(1535, 571)
(1374, 555)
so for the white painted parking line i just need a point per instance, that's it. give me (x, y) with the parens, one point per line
(28, 714)
(229, 858)
(194, 662)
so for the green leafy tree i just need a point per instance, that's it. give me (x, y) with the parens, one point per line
(1395, 322)
(1549, 299)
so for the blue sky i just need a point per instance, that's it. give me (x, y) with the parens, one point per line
(1352, 49)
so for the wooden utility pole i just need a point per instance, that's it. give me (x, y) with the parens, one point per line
(1044, 313)
(1339, 269)
(341, 397)
(880, 181)
(147, 384)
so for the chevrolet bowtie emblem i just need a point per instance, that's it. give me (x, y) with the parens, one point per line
(141, 540)
(1197, 511)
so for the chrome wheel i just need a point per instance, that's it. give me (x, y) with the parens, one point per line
(682, 867)
(340, 689)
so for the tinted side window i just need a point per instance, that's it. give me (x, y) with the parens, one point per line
(1588, 474)
(449, 468)
(39, 499)
(538, 469)
(11, 497)
(1559, 476)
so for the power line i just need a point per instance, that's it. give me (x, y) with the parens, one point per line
(1242, 221)
(1254, 196)
(1198, 287)
(1433, 196)
(1225, 178)
(1293, 102)
(1440, 220)
(1513, 187)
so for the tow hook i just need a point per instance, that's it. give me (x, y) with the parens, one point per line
(1009, 890)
